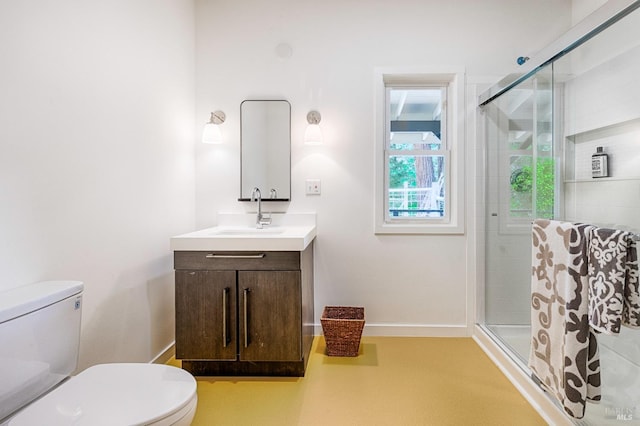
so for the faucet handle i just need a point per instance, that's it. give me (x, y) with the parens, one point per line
(255, 191)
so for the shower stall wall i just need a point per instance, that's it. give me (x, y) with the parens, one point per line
(540, 133)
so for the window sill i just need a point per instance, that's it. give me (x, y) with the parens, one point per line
(419, 229)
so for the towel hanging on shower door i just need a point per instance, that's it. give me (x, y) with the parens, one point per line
(564, 350)
(613, 281)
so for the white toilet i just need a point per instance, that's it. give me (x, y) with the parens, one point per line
(39, 341)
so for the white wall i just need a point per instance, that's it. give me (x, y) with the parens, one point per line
(96, 160)
(407, 284)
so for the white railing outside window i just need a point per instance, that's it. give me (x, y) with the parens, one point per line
(416, 202)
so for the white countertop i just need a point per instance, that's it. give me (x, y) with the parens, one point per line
(237, 232)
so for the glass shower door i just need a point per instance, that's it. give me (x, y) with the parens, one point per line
(521, 176)
(539, 140)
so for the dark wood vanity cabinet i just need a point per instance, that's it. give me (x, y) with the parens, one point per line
(244, 313)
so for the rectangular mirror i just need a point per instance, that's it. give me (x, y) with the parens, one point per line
(265, 149)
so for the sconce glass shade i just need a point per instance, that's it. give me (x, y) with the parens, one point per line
(313, 134)
(211, 132)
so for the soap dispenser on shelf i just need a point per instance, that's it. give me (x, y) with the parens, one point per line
(599, 164)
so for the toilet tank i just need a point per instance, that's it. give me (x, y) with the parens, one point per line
(39, 340)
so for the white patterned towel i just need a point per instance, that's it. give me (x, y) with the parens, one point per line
(614, 297)
(607, 277)
(564, 351)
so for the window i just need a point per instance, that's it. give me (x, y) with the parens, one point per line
(417, 191)
(415, 153)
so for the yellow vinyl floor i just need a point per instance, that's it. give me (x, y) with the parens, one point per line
(393, 381)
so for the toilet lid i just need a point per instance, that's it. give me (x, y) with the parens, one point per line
(113, 394)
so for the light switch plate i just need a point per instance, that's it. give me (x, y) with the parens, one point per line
(313, 186)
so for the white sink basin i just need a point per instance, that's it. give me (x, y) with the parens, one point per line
(277, 237)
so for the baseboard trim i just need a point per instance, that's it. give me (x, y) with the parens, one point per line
(410, 330)
(538, 399)
(164, 356)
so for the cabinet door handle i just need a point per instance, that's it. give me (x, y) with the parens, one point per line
(235, 256)
(225, 323)
(245, 301)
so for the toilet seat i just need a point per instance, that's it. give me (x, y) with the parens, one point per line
(116, 394)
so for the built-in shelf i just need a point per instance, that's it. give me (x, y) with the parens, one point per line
(605, 131)
(595, 180)
(621, 141)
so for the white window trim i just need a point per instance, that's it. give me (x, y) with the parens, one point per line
(455, 79)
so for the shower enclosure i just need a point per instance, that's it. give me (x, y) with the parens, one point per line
(540, 131)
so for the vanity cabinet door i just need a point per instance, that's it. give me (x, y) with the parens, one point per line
(270, 315)
(206, 315)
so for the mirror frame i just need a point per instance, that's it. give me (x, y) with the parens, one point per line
(242, 144)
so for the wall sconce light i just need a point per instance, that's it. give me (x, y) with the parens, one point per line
(313, 134)
(211, 132)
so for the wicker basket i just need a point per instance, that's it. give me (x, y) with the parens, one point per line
(342, 327)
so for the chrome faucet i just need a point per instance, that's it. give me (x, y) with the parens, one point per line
(260, 219)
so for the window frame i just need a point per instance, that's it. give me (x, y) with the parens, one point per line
(453, 131)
